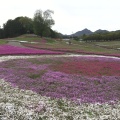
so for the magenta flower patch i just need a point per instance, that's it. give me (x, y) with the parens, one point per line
(14, 50)
(81, 79)
(89, 67)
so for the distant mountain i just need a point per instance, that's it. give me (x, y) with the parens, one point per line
(80, 33)
(86, 32)
(101, 31)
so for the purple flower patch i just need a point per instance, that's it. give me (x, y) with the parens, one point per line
(40, 75)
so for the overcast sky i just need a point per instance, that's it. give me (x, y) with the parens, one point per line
(70, 15)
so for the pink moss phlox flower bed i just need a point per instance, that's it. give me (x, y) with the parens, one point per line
(89, 67)
(14, 50)
(81, 79)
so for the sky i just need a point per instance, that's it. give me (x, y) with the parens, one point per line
(70, 16)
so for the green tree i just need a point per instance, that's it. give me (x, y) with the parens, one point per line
(8, 28)
(42, 22)
(55, 34)
(27, 24)
(13, 28)
(1, 33)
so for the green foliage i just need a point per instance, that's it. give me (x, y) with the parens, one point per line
(40, 25)
(27, 23)
(28, 38)
(13, 28)
(46, 32)
(62, 105)
(55, 34)
(18, 26)
(1, 33)
(109, 36)
(42, 22)
(3, 41)
(69, 118)
(36, 75)
(50, 40)
(76, 38)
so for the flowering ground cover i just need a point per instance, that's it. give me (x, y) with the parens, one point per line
(89, 67)
(58, 91)
(17, 104)
(75, 78)
(15, 50)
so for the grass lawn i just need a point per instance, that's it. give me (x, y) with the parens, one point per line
(110, 44)
(3, 41)
(34, 39)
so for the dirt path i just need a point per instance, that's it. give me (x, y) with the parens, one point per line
(5, 58)
(16, 43)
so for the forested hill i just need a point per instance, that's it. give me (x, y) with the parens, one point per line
(102, 36)
(86, 32)
(82, 32)
(101, 31)
(40, 25)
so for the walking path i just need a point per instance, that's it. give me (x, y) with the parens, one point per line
(5, 58)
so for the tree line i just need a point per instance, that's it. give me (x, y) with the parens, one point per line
(108, 36)
(40, 25)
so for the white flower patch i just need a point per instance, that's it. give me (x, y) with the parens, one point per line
(28, 105)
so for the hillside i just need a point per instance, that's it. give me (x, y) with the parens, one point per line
(101, 31)
(82, 32)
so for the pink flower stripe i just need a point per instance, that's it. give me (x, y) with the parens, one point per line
(14, 50)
